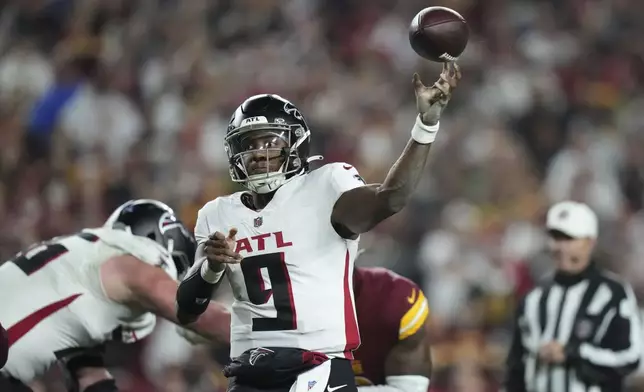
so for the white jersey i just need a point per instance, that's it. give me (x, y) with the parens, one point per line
(294, 287)
(53, 299)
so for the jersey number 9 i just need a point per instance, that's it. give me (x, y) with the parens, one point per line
(281, 291)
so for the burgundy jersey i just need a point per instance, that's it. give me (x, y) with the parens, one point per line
(390, 308)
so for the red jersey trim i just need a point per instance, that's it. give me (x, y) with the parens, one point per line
(22, 327)
(351, 332)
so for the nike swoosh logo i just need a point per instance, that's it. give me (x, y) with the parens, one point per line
(331, 389)
(412, 298)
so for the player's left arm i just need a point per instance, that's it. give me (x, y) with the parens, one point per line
(360, 209)
(204, 278)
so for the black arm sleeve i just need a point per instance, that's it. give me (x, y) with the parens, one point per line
(193, 296)
(515, 365)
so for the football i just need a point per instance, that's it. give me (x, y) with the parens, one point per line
(438, 34)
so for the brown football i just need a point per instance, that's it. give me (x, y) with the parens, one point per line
(438, 34)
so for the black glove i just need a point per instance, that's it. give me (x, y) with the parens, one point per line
(82, 359)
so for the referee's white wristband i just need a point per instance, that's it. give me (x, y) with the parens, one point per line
(209, 275)
(423, 133)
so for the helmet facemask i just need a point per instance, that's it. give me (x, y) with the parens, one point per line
(181, 260)
(252, 150)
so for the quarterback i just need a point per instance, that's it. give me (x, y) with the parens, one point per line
(287, 245)
(65, 297)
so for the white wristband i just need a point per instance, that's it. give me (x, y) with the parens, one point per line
(209, 275)
(423, 133)
(409, 383)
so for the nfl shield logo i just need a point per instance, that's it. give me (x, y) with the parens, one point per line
(257, 222)
(312, 384)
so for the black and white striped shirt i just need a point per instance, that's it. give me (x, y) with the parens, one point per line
(594, 316)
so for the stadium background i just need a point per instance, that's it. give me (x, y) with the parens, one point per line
(107, 100)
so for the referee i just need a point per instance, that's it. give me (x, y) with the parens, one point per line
(579, 329)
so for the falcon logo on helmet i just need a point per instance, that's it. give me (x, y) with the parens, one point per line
(292, 110)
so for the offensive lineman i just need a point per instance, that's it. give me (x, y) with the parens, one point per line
(394, 354)
(292, 241)
(66, 296)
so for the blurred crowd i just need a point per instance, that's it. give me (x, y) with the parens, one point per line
(102, 101)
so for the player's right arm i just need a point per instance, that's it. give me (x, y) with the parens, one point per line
(360, 209)
(129, 281)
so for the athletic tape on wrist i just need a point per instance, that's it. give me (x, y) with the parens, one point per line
(209, 275)
(423, 133)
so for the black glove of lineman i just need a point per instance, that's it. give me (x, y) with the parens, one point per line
(88, 358)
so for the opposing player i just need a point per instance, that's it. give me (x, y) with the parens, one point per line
(288, 245)
(70, 294)
(394, 355)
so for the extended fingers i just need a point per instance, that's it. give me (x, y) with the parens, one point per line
(454, 75)
(449, 78)
(451, 73)
(418, 84)
(457, 72)
(219, 250)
